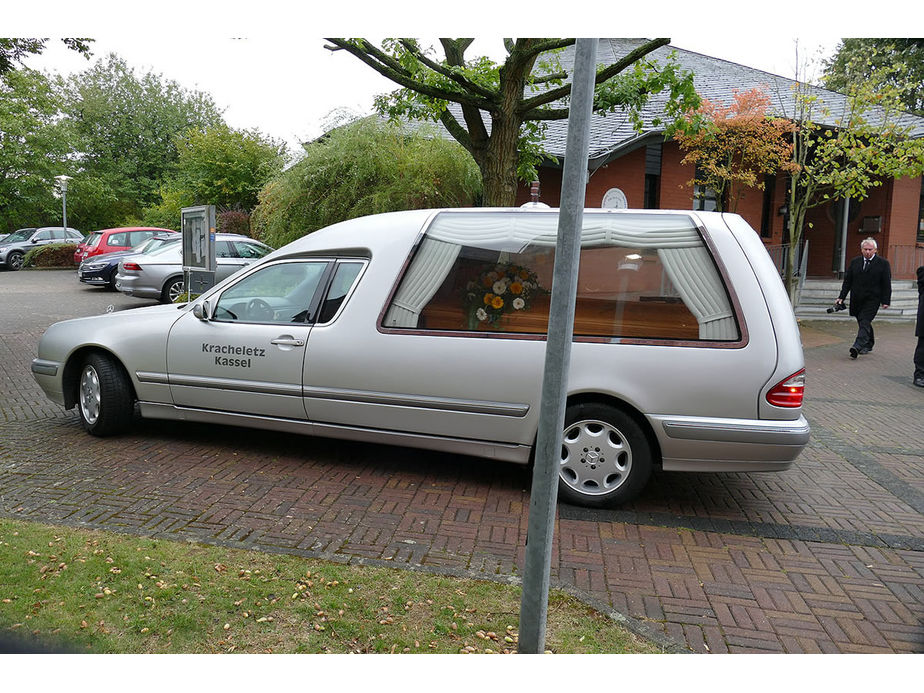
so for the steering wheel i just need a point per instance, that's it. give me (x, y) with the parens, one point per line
(258, 309)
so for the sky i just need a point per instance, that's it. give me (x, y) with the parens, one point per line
(264, 62)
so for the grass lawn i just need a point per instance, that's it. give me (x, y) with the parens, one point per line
(73, 590)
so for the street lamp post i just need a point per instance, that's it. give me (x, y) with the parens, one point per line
(62, 181)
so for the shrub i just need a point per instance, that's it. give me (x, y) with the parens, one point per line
(234, 222)
(51, 255)
(366, 167)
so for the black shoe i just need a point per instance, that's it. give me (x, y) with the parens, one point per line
(853, 352)
(919, 382)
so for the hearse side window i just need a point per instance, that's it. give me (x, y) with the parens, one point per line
(279, 293)
(343, 280)
(641, 276)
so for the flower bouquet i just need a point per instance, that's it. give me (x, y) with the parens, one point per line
(505, 288)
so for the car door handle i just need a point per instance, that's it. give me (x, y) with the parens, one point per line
(288, 341)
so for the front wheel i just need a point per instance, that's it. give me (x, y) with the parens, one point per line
(104, 397)
(14, 260)
(606, 458)
(173, 289)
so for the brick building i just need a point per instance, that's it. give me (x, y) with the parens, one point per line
(642, 170)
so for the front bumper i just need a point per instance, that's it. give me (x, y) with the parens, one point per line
(95, 277)
(49, 376)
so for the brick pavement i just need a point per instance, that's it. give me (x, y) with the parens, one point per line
(825, 557)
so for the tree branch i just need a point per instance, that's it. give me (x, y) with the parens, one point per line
(546, 114)
(529, 48)
(602, 75)
(455, 129)
(458, 78)
(388, 67)
(550, 77)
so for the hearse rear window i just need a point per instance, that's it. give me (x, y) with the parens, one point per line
(641, 276)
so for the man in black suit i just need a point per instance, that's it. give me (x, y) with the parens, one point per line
(869, 282)
(919, 332)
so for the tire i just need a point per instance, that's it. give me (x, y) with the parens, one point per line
(14, 260)
(105, 401)
(172, 290)
(606, 458)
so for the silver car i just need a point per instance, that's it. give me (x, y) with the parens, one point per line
(159, 274)
(426, 329)
(14, 247)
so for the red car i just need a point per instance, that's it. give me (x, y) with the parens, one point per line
(113, 240)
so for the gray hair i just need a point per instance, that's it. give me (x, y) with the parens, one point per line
(869, 241)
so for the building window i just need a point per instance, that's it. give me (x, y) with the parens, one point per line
(652, 191)
(652, 176)
(704, 199)
(921, 215)
(767, 213)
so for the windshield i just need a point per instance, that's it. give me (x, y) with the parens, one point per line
(154, 244)
(19, 235)
(160, 250)
(92, 240)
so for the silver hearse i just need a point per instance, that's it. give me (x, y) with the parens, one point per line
(426, 329)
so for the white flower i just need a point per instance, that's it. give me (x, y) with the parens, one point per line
(481, 314)
(500, 286)
(519, 304)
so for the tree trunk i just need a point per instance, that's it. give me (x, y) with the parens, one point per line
(796, 221)
(499, 169)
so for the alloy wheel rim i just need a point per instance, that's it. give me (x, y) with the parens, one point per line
(90, 395)
(595, 458)
(173, 293)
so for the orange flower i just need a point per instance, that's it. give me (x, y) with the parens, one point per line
(488, 298)
(516, 288)
(498, 302)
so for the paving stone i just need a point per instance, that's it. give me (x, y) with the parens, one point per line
(825, 557)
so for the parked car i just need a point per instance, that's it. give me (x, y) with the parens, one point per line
(160, 274)
(14, 247)
(114, 240)
(426, 329)
(100, 270)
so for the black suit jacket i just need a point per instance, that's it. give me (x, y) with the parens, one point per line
(919, 327)
(874, 286)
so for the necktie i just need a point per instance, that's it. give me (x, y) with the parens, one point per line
(865, 264)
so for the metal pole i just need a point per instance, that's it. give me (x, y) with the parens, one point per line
(544, 496)
(62, 181)
(842, 260)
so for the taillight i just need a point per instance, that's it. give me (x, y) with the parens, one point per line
(134, 267)
(788, 392)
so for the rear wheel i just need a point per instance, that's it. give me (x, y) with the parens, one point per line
(173, 289)
(14, 260)
(606, 459)
(105, 400)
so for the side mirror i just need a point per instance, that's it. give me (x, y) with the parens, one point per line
(201, 310)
